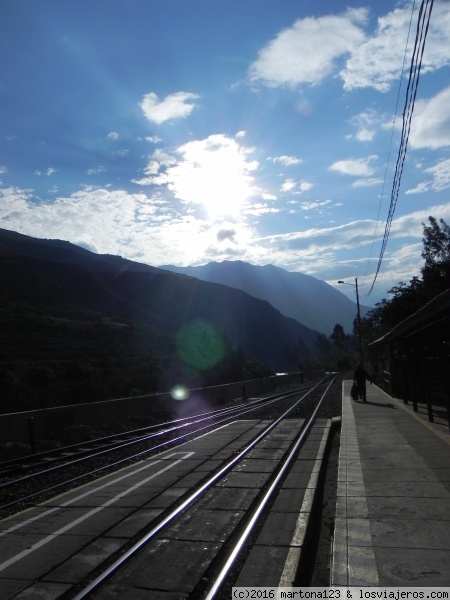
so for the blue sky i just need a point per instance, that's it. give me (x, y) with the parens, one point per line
(182, 132)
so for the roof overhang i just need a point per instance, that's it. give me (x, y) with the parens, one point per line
(433, 313)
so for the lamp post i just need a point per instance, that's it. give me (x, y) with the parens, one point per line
(355, 285)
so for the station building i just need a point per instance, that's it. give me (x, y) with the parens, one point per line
(415, 358)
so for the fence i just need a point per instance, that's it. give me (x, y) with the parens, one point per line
(40, 424)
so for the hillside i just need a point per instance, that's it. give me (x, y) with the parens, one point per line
(96, 323)
(309, 301)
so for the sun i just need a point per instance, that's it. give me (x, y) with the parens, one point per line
(215, 173)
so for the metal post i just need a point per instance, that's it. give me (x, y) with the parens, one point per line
(359, 319)
(359, 322)
(31, 435)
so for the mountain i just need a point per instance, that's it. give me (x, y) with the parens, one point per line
(309, 301)
(65, 252)
(59, 301)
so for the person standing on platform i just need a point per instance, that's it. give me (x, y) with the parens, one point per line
(360, 376)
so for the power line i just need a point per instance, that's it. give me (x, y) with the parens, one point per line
(391, 140)
(411, 92)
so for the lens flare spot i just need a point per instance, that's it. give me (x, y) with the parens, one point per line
(179, 392)
(201, 345)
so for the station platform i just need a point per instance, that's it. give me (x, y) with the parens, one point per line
(392, 526)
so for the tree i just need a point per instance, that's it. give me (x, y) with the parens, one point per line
(406, 299)
(436, 242)
(324, 350)
(338, 336)
(343, 346)
(436, 253)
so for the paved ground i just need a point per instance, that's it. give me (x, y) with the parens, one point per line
(393, 507)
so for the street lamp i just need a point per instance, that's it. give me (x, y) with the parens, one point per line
(355, 285)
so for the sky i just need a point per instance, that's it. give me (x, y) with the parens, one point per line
(184, 132)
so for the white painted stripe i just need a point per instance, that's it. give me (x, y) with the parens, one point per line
(87, 493)
(93, 490)
(92, 512)
(293, 557)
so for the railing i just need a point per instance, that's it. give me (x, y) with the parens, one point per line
(14, 427)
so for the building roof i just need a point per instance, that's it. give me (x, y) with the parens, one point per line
(432, 313)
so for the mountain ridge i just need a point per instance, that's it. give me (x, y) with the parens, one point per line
(50, 274)
(308, 300)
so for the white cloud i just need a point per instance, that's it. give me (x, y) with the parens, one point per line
(410, 225)
(290, 185)
(96, 170)
(153, 139)
(377, 61)
(365, 135)
(304, 186)
(356, 167)
(113, 136)
(314, 250)
(366, 123)
(441, 175)
(267, 196)
(47, 172)
(120, 153)
(307, 51)
(430, 127)
(424, 186)
(440, 181)
(97, 219)
(258, 209)
(367, 182)
(372, 60)
(316, 204)
(3, 169)
(174, 106)
(287, 161)
(318, 250)
(214, 172)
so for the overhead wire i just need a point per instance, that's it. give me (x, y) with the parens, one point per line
(391, 140)
(423, 23)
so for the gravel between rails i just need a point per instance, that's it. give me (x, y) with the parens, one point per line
(331, 408)
(319, 567)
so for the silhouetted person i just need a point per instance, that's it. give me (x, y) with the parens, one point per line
(360, 377)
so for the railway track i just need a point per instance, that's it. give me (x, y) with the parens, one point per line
(199, 505)
(36, 476)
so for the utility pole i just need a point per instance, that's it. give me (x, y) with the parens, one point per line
(359, 318)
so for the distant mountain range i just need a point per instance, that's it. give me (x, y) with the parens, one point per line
(309, 301)
(84, 299)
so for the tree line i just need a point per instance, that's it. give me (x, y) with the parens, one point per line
(341, 351)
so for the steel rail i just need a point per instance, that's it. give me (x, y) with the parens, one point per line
(258, 510)
(126, 434)
(269, 400)
(164, 522)
(89, 444)
(231, 411)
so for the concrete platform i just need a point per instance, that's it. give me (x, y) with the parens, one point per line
(393, 507)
